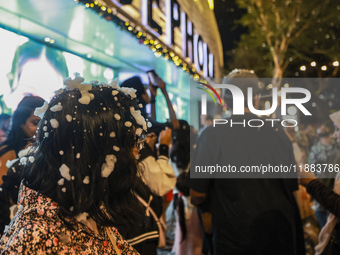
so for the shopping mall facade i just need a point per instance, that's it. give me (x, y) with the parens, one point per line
(42, 42)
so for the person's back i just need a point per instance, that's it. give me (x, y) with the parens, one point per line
(250, 215)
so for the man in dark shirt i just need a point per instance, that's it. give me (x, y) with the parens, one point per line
(249, 216)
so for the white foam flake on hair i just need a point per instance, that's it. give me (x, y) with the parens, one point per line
(72, 177)
(101, 134)
(115, 92)
(45, 122)
(137, 156)
(84, 89)
(112, 134)
(116, 148)
(64, 190)
(9, 163)
(104, 108)
(82, 217)
(86, 180)
(139, 131)
(149, 124)
(116, 98)
(61, 182)
(137, 115)
(13, 169)
(65, 172)
(78, 155)
(54, 123)
(114, 84)
(109, 165)
(58, 92)
(117, 116)
(128, 124)
(140, 105)
(71, 208)
(56, 108)
(31, 159)
(61, 152)
(23, 160)
(46, 134)
(40, 111)
(45, 128)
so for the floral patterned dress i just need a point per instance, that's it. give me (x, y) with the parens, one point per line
(37, 228)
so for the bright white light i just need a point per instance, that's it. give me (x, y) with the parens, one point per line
(303, 68)
(313, 63)
(270, 86)
(89, 55)
(336, 63)
(267, 105)
(52, 41)
(324, 68)
(313, 104)
(108, 74)
(47, 39)
(292, 110)
(286, 85)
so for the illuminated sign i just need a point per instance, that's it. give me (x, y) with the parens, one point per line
(167, 22)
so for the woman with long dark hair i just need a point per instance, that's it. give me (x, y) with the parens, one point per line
(79, 183)
(22, 131)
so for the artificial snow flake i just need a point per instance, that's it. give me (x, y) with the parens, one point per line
(23, 160)
(128, 124)
(45, 128)
(82, 217)
(68, 117)
(31, 159)
(40, 111)
(77, 82)
(139, 131)
(65, 172)
(56, 108)
(116, 148)
(61, 152)
(112, 134)
(71, 208)
(115, 92)
(114, 84)
(54, 123)
(78, 155)
(64, 190)
(149, 124)
(108, 167)
(9, 163)
(61, 182)
(117, 116)
(46, 134)
(140, 105)
(86, 180)
(116, 98)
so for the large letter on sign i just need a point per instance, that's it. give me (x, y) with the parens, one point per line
(297, 101)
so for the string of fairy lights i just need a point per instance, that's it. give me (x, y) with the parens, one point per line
(159, 49)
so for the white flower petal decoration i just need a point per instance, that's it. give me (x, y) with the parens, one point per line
(108, 167)
(115, 92)
(86, 180)
(54, 123)
(112, 134)
(68, 117)
(56, 108)
(117, 116)
(65, 172)
(9, 163)
(128, 124)
(31, 159)
(116, 148)
(61, 182)
(40, 111)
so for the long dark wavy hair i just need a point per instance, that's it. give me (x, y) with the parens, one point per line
(82, 140)
(17, 139)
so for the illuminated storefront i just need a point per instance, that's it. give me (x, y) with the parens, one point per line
(45, 41)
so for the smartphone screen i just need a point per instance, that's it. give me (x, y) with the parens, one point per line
(153, 77)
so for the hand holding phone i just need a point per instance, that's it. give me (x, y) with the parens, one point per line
(153, 78)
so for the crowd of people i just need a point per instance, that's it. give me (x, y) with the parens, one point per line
(91, 172)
